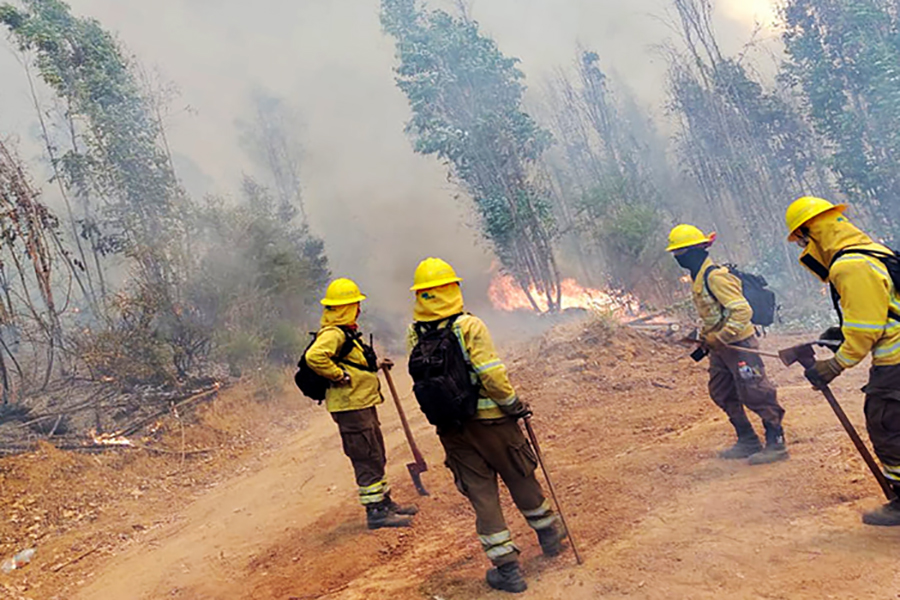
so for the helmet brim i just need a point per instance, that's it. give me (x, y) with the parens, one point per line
(792, 236)
(682, 245)
(435, 284)
(343, 302)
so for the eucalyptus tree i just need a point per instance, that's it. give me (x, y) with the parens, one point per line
(466, 100)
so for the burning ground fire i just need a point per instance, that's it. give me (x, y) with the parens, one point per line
(505, 294)
(110, 439)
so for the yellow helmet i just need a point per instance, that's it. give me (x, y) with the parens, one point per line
(685, 236)
(432, 273)
(803, 209)
(342, 292)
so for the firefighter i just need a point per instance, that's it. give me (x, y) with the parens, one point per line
(351, 399)
(737, 380)
(857, 268)
(490, 443)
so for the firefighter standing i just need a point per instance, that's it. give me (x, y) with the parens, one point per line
(736, 379)
(856, 267)
(351, 399)
(490, 443)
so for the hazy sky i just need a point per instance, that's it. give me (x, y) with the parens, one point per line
(379, 207)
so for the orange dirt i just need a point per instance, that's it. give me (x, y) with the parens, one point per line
(630, 434)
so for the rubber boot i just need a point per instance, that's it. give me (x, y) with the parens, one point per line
(399, 509)
(775, 449)
(507, 578)
(886, 516)
(551, 539)
(380, 515)
(747, 443)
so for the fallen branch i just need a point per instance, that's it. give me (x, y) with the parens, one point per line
(61, 566)
(134, 427)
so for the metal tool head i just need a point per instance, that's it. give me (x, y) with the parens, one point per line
(804, 354)
(415, 473)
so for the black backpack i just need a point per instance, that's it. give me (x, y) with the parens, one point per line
(756, 291)
(891, 261)
(313, 385)
(443, 381)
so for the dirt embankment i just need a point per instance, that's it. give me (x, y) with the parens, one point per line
(629, 432)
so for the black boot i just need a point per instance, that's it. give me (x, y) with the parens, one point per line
(747, 444)
(551, 539)
(775, 448)
(886, 516)
(507, 578)
(380, 515)
(399, 509)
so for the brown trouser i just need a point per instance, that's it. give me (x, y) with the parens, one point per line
(737, 380)
(883, 418)
(479, 452)
(364, 446)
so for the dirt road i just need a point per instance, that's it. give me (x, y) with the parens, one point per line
(631, 434)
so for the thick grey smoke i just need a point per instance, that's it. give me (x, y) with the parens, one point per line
(379, 207)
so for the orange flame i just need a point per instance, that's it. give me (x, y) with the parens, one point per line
(109, 439)
(505, 294)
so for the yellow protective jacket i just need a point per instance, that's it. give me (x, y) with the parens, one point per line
(727, 312)
(439, 304)
(364, 390)
(864, 285)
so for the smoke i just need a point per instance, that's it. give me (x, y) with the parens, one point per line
(379, 207)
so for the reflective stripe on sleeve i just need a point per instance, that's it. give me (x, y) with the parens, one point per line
(486, 404)
(884, 352)
(507, 401)
(864, 326)
(488, 367)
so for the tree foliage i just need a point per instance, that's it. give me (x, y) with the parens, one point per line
(843, 58)
(197, 275)
(748, 150)
(609, 168)
(466, 100)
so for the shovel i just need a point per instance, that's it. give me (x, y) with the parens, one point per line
(805, 354)
(419, 466)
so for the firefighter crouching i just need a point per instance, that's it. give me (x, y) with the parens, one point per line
(736, 379)
(462, 387)
(863, 276)
(340, 355)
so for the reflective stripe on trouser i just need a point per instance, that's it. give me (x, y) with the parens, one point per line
(541, 517)
(498, 546)
(476, 454)
(373, 494)
(883, 418)
(733, 385)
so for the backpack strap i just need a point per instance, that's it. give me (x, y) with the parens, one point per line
(706, 275)
(880, 257)
(423, 327)
(352, 337)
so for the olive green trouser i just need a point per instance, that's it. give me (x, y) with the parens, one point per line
(737, 380)
(883, 418)
(364, 446)
(476, 454)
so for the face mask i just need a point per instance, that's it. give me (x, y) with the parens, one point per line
(692, 259)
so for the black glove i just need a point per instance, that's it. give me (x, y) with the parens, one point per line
(823, 372)
(517, 410)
